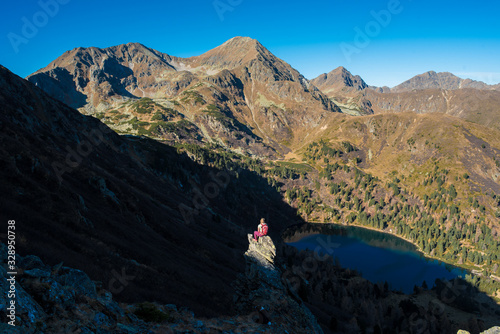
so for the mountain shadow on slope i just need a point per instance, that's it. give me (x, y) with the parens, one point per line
(115, 213)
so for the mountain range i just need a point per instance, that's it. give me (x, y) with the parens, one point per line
(259, 96)
(429, 92)
(242, 98)
(253, 87)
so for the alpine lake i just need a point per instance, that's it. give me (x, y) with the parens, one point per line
(377, 256)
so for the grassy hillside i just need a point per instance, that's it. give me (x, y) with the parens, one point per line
(431, 179)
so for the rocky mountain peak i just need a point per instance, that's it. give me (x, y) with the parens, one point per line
(241, 40)
(339, 79)
(232, 53)
(439, 80)
(340, 70)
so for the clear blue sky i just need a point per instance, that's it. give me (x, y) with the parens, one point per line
(420, 35)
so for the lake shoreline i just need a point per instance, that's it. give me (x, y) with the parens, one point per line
(377, 257)
(469, 270)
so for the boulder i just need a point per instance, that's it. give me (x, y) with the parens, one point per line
(76, 280)
(28, 311)
(30, 262)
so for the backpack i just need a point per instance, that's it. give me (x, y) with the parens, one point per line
(264, 229)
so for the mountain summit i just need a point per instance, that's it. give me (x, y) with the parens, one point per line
(345, 90)
(339, 79)
(441, 80)
(232, 53)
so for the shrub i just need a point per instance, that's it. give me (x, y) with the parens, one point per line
(150, 313)
(190, 95)
(158, 116)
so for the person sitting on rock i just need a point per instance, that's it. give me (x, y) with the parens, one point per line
(261, 230)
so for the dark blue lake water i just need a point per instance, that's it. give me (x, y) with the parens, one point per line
(377, 256)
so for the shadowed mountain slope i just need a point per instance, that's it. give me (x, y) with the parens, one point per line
(125, 208)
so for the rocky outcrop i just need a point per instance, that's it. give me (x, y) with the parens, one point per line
(262, 292)
(262, 252)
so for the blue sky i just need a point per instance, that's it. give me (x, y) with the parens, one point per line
(410, 36)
